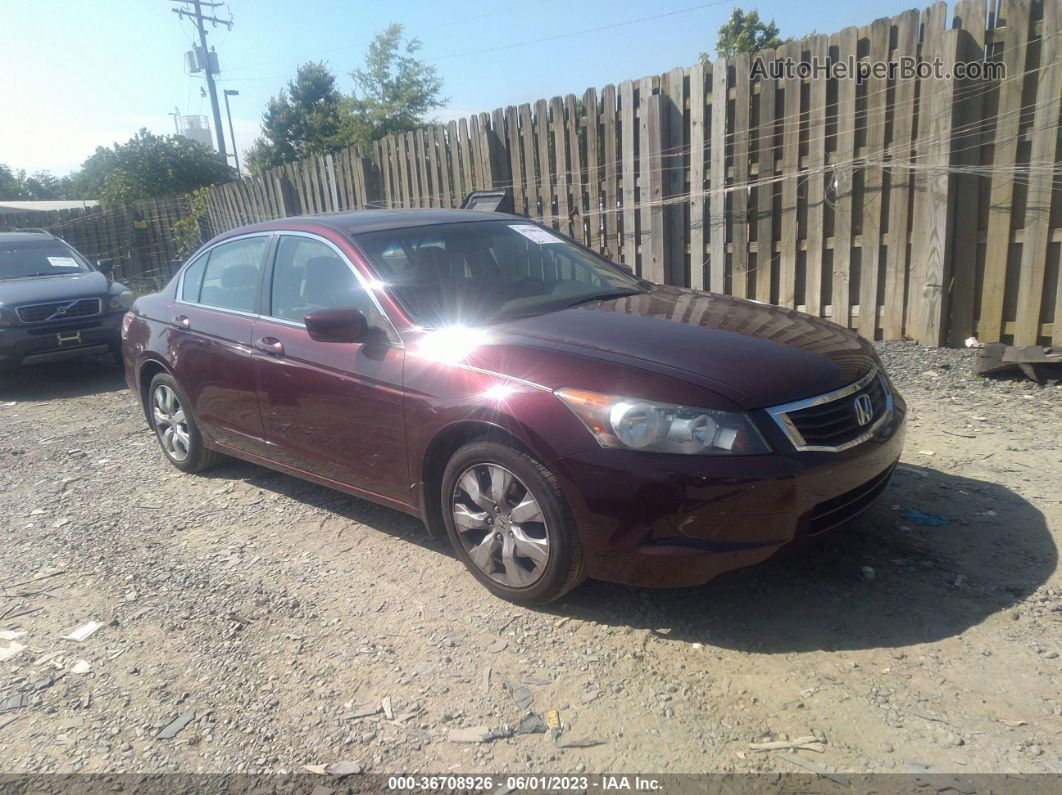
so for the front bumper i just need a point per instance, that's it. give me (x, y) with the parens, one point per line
(33, 344)
(672, 520)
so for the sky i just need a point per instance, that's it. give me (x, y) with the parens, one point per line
(90, 73)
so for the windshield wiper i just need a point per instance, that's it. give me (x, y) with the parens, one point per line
(503, 314)
(586, 299)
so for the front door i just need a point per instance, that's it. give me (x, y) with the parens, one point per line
(210, 340)
(332, 409)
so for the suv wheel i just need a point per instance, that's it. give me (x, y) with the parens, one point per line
(510, 524)
(175, 428)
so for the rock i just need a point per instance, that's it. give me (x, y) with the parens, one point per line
(867, 573)
(170, 730)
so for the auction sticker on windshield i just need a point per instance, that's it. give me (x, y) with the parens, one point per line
(535, 234)
(62, 262)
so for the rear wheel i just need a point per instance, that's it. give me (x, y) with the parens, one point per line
(175, 427)
(510, 524)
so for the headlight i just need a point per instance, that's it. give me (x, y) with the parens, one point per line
(663, 427)
(122, 301)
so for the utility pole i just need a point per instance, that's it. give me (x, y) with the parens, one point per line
(209, 62)
(231, 92)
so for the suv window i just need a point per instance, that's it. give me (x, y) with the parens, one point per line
(230, 278)
(309, 275)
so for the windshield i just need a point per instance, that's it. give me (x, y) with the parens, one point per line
(474, 273)
(44, 258)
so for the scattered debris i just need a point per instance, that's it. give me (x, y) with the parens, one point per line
(536, 680)
(1038, 363)
(929, 716)
(553, 719)
(8, 634)
(169, 731)
(810, 743)
(83, 632)
(44, 658)
(497, 646)
(531, 723)
(588, 742)
(479, 734)
(1013, 723)
(12, 649)
(16, 701)
(818, 770)
(363, 713)
(519, 694)
(385, 705)
(81, 667)
(588, 695)
(343, 769)
(925, 519)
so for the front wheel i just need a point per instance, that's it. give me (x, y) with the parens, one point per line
(510, 524)
(175, 427)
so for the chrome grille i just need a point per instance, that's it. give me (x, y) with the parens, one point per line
(60, 310)
(837, 420)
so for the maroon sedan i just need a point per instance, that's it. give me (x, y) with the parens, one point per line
(553, 414)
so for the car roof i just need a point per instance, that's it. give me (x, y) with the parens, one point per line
(27, 237)
(363, 221)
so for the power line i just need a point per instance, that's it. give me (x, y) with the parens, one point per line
(583, 32)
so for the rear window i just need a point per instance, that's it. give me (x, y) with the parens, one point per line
(45, 258)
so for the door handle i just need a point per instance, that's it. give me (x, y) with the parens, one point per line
(270, 345)
(182, 321)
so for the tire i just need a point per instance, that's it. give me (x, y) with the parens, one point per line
(175, 427)
(506, 547)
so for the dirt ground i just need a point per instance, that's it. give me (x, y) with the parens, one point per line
(295, 626)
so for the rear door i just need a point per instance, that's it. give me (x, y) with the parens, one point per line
(217, 302)
(330, 408)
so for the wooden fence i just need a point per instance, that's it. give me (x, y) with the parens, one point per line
(140, 238)
(902, 207)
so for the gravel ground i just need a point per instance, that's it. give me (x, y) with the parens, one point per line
(287, 625)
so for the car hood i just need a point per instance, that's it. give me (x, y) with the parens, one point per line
(41, 289)
(754, 355)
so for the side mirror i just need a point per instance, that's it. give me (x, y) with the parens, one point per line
(337, 325)
(105, 266)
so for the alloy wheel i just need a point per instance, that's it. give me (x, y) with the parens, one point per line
(171, 424)
(501, 525)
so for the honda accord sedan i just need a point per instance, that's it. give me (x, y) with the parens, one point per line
(551, 413)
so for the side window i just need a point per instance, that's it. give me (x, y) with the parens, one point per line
(309, 275)
(230, 280)
(193, 279)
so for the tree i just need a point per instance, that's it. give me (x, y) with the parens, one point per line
(395, 91)
(149, 165)
(744, 32)
(41, 185)
(307, 118)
